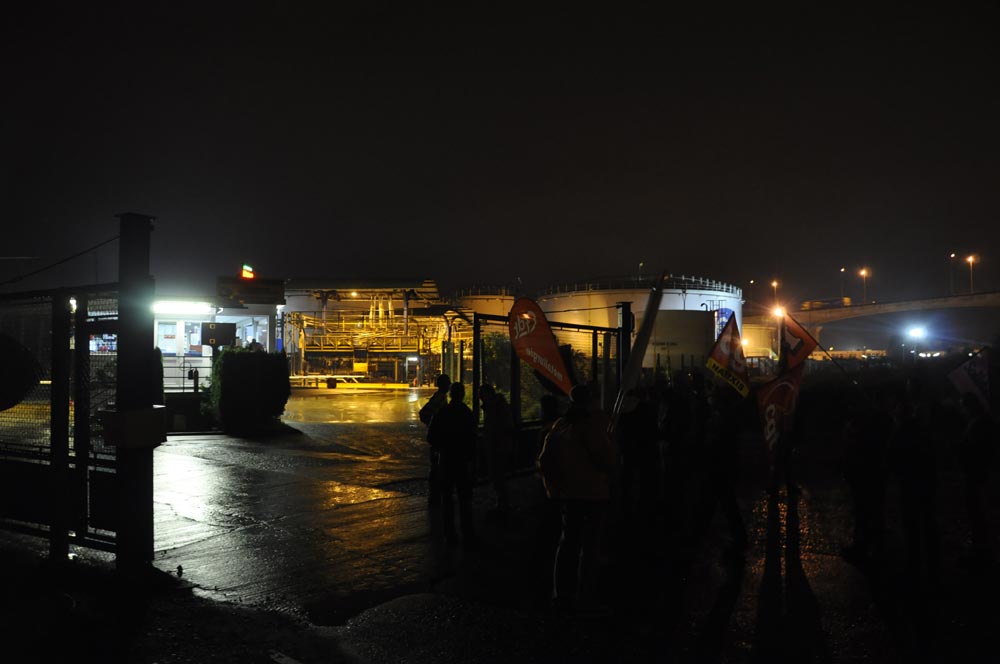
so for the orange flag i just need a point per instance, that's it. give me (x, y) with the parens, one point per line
(535, 344)
(796, 343)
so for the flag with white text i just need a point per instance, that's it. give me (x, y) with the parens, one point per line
(535, 344)
(726, 359)
(776, 402)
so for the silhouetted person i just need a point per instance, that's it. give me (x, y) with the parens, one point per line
(637, 435)
(576, 464)
(452, 434)
(437, 401)
(722, 467)
(674, 419)
(550, 526)
(548, 407)
(692, 449)
(866, 472)
(912, 461)
(498, 434)
(976, 450)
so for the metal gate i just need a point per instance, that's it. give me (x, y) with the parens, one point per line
(57, 475)
(592, 356)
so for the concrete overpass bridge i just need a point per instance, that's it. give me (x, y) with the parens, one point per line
(815, 319)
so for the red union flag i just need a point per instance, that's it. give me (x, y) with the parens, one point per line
(535, 344)
(726, 360)
(776, 401)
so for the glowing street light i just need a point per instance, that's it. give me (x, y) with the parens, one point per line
(779, 312)
(972, 261)
(864, 285)
(916, 333)
(774, 285)
(951, 273)
(842, 271)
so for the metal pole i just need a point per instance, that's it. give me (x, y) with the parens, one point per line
(477, 360)
(59, 428)
(81, 413)
(606, 374)
(515, 388)
(624, 337)
(782, 350)
(593, 357)
(134, 536)
(461, 360)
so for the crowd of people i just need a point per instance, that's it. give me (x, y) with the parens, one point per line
(672, 461)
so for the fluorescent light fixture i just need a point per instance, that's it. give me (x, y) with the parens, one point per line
(917, 332)
(412, 359)
(180, 307)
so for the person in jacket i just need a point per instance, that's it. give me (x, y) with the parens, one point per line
(437, 401)
(452, 435)
(576, 464)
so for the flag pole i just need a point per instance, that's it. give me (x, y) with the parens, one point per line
(631, 372)
(835, 362)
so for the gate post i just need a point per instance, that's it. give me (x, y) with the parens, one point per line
(515, 388)
(477, 363)
(624, 337)
(59, 429)
(134, 536)
(81, 413)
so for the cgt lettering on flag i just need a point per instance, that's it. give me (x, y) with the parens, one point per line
(776, 402)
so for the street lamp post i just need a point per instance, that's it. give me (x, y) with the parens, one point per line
(971, 260)
(750, 299)
(864, 285)
(951, 274)
(842, 282)
(774, 285)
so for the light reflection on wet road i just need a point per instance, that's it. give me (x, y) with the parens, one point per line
(332, 522)
(330, 406)
(301, 522)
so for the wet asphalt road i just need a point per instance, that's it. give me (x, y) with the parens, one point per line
(333, 522)
(324, 523)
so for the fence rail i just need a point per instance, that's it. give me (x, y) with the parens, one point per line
(672, 282)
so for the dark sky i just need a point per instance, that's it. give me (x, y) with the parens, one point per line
(479, 148)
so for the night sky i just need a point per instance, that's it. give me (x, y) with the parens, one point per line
(486, 148)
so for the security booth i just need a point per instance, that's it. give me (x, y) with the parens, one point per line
(254, 305)
(189, 330)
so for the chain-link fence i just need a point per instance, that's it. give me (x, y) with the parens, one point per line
(60, 370)
(25, 326)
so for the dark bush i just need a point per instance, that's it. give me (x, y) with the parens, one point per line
(249, 390)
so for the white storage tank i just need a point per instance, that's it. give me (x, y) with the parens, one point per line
(692, 311)
(491, 300)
